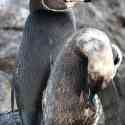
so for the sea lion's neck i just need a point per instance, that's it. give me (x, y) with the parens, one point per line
(35, 5)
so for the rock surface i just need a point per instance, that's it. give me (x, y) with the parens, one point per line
(10, 119)
(13, 15)
(108, 15)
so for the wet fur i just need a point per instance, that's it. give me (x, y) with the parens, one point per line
(44, 36)
(61, 100)
(70, 75)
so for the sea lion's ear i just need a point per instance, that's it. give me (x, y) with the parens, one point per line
(117, 55)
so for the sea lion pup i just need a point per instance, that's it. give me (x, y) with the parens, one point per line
(85, 65)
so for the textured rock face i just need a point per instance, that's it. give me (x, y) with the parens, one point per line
(108, 15)
(12, 18)
(13, 14)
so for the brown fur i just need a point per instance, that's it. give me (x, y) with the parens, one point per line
(73, 66)
(61, 98)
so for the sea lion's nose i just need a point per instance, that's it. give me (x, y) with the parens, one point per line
(95, 83)
(106, 83)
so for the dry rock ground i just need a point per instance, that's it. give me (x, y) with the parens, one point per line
(108, 15)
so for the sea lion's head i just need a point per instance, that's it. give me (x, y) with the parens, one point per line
(103, 57)
(60, 5)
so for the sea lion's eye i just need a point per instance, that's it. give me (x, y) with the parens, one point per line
(117, 55)
(116, 60)
(100, 79)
